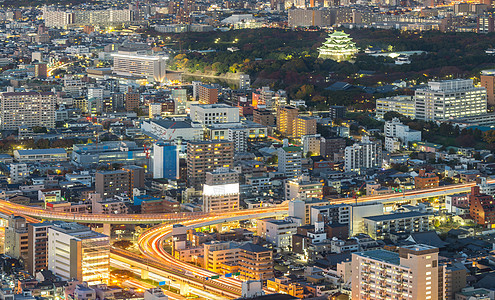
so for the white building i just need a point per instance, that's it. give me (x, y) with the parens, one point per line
(173, 130)
(278, 232)
(364, 155)
(289, 161)
(18, 172)
(416, 265)
(239, 136)
(302, 188)
(404, 105)
(450, 99)
(396, 131)
(208, 114)
(75, 251)
(151, 68)
(27, 109)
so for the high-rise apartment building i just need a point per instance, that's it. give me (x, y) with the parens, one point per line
(180, 98)
(285, 119)
(450, 99)
(131, 101)
(221, 191)
(289, 161)
(207, 94)
(263, 117)
(487, 80)
(151, 68)
(111, 183)
(412, 273)
(136, 176)
(18, 172)
(16, 238)
(75, 251)
(165, 160)
(37, 259)
(204, 156)
(27, 109)
(303, 126)
(364, 155)
(255, 262)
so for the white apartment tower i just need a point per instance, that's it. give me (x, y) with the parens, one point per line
(410, 274)
(27, 109)
(450, 99)
(289, 161)
(364, 155)
(151, 68)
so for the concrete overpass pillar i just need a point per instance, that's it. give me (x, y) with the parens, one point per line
(107, 229)
(218, 227)
(414, 202)
(184, 289)
(145, 274)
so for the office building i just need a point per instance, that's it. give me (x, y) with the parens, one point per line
(289, 161)
(278, 232)
(27, 109)
(310, 17)
(207, 156)
(221, 191)
(255, 262)
(410, 274)
(485, 24)
(303, 126)
(214, 113)
(450, 99)
(364, 155)
(165, 160)
(405, 105)
(151, 68)
(381, 226)
(111, 183)
(487, 80)
(285, 119)
(395, 129)
(207, 94)
(77, 252)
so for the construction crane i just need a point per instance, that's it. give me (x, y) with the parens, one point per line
(357, 191)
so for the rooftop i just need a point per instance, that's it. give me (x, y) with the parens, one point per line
(405, 215)
(42, 151)
(382, 255)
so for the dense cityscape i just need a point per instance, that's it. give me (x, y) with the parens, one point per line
(273, 150)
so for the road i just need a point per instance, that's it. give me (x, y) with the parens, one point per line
(37, 212)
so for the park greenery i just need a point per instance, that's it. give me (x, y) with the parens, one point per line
(287, 59)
